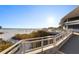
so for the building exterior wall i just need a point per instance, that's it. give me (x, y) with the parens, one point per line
(71, 23)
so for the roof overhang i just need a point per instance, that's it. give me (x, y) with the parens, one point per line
(71, 14)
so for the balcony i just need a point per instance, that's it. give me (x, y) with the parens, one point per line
(72, 22)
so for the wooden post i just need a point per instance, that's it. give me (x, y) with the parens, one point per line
(54, 40)
(49, 41)
(23, 47)
(42, 45)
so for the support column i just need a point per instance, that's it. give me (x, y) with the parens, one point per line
(67, 25)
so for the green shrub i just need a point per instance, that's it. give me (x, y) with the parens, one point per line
(39, 33)
(34, 34)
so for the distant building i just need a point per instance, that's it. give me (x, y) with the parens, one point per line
(45, 29)
(71, 20)
(50, 29)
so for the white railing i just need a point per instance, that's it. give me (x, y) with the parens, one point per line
(11, 48)
(39, 43)
(72, 22)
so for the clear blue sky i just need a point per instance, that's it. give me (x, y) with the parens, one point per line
(12, 16)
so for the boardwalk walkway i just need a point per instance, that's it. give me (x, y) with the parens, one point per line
(71, 46)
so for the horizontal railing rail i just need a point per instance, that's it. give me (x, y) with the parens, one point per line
(10, 48)
(16, 44)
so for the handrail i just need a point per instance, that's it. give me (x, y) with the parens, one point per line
(45, 48)
(72, 21)
(8, 49)
(51, 36)
(42, 41)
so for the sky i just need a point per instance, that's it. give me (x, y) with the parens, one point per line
(33, 16)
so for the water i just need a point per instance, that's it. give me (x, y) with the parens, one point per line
(9, 33)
